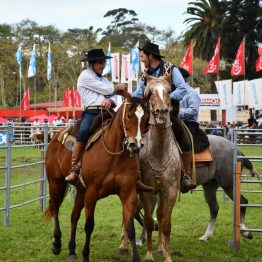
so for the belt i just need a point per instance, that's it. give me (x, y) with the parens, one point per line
(95, 107)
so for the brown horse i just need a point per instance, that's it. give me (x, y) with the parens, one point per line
(110, 166)
(160, 167)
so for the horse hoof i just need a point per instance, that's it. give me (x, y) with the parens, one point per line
(123, 251)
(139, 242)
(160, 252)
(247, 234)
(72, 257)
(56, 251)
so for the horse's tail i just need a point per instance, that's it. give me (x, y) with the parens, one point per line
(48, 214)
(248, 165)
(54, 206)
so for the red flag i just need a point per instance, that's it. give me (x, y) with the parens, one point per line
(71, 97)
(25, 102)
(213, 65)
(66, 98)
(259, 60)
(238, 67)
(77, 99)
(187, 60)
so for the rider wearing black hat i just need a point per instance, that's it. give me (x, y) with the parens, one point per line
(155, 66)
(95, 92)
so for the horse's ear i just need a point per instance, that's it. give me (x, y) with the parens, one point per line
(146, 96)
(148, 77)
(127, 95)
(167, 77)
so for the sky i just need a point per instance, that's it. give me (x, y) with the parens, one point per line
(65, 14)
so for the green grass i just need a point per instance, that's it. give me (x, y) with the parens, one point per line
(28, 238)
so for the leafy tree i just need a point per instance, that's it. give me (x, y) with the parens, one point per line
(204, 26)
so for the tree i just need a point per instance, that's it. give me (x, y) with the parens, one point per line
(204, 28)
(245, 23)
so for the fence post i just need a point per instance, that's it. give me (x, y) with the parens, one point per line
(8, 173)
(237, 207)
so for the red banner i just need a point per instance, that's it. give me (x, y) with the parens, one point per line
(238, 67)
(213, 65)
(187, 60)
(66, 98)
(25, 102)
(72, 98)
(259, 60)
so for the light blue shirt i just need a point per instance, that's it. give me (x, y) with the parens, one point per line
(189, 106)
(177, 79)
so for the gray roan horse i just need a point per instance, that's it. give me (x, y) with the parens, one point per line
(160, 165)
(218, 174)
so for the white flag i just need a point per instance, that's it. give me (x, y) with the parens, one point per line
(107, 69)
(224, 89)
(49, 63)
(32, 64)
(254, 93)
(125, 69)
(239, 93)
(135, 62)
(115, 64)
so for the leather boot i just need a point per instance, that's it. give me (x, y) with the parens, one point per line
(78, 150)
(187, 183)
(141, 187)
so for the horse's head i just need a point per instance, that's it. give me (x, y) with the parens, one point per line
(134, 118)
(158, 91)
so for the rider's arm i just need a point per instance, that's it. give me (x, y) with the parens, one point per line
(181, 87)
(189, 107)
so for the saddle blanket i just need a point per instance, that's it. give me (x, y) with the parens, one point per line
(204, 157)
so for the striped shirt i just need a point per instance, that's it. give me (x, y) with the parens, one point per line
(94, 89)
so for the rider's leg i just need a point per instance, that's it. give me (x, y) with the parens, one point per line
(184, 142)
(87, 118)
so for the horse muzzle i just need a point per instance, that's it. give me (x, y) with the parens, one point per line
(161, 116)
(133, 148)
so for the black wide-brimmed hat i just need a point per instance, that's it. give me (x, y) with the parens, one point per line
(151, 48)
(94, 55)
(184, 72)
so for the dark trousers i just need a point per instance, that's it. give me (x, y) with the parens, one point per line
(87, 119)
(181, 134)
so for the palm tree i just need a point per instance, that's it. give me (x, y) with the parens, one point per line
(204, 25)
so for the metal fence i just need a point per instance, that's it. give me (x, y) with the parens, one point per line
(22, 172)
(248, 137)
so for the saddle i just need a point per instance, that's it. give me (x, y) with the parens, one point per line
(202, 152)
(68, 135)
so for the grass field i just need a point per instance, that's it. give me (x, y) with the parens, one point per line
(28, 238)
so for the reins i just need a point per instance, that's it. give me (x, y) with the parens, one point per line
(124, 129)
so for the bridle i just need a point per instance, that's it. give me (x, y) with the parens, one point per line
(125, 140)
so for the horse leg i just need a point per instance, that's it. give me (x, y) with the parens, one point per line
(57, 191)
(129, 205)
(243, 200)
(210, 190)
(166, 205)
(146, 199)
(90, 204)
(75, 215)
(123, 248)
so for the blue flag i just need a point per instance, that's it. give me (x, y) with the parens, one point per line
(18, 56)
(107, 69)
(32, 64)
(135, 62)
(49, 64)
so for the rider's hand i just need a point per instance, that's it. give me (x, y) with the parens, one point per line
(107, 103)
(120, 89)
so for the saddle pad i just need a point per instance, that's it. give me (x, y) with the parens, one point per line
(204, 157)
(95, 136)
